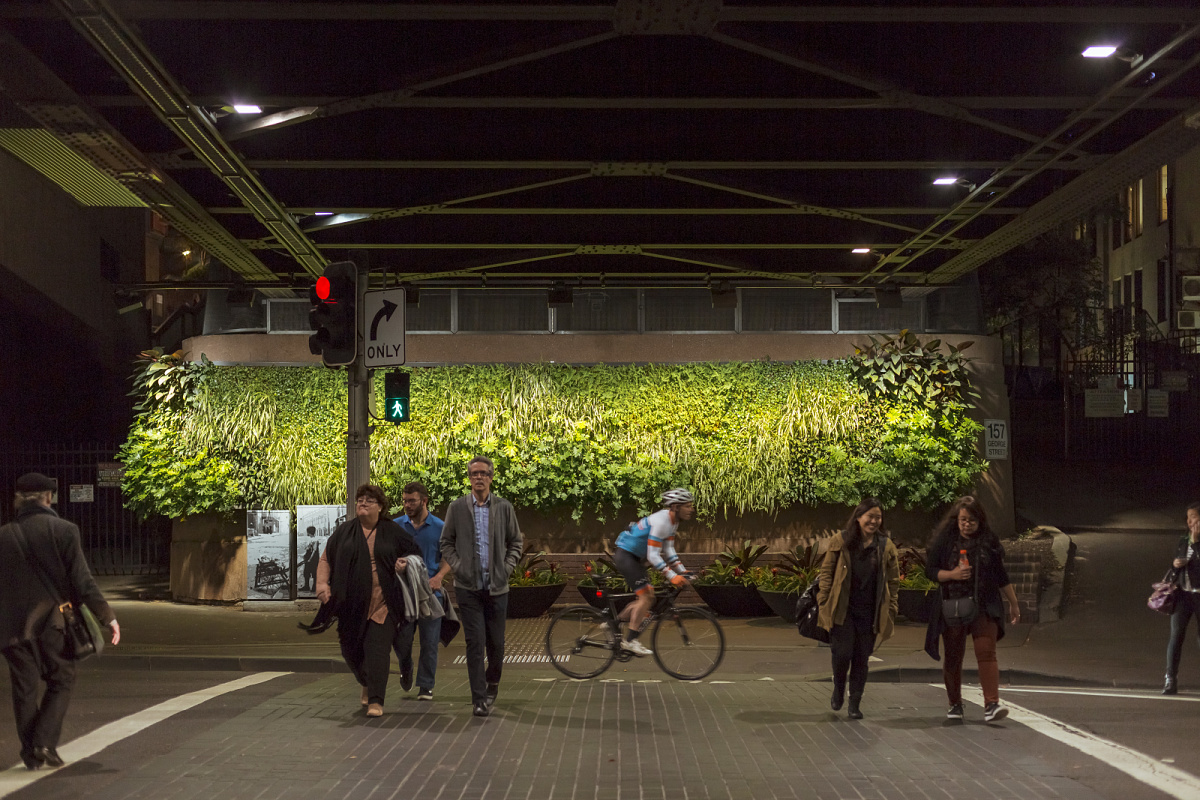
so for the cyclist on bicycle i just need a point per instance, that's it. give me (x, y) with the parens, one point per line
(651, 540)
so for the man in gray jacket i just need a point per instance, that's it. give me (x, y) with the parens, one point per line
(481, 542)
(41, 566)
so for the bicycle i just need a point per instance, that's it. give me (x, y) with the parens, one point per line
(583, 642)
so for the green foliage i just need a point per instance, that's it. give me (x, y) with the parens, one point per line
(902, 370)
(912, 570)
(574, 441)
(919, 460)
(743, 559)
(720, 573)
(779, 579)
(534, 570)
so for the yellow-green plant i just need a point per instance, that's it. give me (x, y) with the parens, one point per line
(578, 441)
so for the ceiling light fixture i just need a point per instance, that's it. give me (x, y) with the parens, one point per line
(944, 181)
(322, 213)
(861, 250)
(247, 108)
(1112, 51)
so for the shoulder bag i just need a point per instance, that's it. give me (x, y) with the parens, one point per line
(960, 611)
(807, 613)
(81, 630)
(1164, 595)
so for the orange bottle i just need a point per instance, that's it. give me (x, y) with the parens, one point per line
(962, 559)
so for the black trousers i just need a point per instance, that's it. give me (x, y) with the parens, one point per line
(851, 644)
(1186, 607)
(483, 615)
(40, 724)
(378, 643)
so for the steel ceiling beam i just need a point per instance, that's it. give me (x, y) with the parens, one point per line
(1004, 182)
(169, 161)
(591, 249)
(122, 48)
(591, 212)
(1056, 103)
(544, 12)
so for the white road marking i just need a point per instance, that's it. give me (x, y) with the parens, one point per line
(17, 777)
(1148, 695)
(1139, 766)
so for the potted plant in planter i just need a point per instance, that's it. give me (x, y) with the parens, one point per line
(917, 593)
(534, 585)
(728, 584)
(618, 589)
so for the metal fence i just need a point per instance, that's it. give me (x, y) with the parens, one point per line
(114, 540)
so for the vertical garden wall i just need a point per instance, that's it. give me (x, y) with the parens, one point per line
(580, 448)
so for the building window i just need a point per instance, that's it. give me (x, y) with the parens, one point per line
(1138, 289)
(1161, 287)
(1138, 215)
(1163, 212)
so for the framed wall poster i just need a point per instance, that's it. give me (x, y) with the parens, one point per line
(314, 524)
(268, 555)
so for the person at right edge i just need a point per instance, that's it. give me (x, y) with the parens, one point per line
(858, 599)
(1187, 576)
(964, 531)
(31, 625)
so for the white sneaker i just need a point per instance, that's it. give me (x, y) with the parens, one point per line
(636, 647)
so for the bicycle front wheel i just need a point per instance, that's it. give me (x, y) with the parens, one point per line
(688, 643)
(580, 642)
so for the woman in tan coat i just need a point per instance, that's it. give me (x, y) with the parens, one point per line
(859, 582)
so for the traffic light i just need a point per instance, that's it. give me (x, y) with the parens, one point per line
(395, 397)
(334, 315)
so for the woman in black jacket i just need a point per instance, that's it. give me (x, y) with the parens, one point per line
(1187, 576)
(966, 559)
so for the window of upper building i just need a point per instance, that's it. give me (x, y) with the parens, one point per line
(1163, 211)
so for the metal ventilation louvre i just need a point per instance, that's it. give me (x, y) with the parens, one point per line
(288, 316)
(594, 310)
(858, 315)
(89, 186)
(787, 309)
(685, 310)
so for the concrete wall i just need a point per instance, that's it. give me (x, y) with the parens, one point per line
(208, 559)
(58, 315)
(994, 489)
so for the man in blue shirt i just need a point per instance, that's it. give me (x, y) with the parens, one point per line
(426, 529)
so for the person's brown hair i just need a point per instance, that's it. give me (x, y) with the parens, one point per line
(947, 529)
(416, 487)
(375, 493)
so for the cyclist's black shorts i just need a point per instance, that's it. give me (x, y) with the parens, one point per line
(632, 569)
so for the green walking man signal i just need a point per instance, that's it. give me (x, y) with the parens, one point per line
(395, 397)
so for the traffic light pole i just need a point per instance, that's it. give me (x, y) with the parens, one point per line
(358, 435)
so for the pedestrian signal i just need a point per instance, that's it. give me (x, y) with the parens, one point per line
(396, 405)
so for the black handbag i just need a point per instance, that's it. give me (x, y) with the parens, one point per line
(82, 636)
(807, 613)
(960, 611)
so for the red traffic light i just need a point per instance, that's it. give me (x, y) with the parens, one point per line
(323, 288)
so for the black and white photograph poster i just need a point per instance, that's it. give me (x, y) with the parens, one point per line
(314, 524)
(268, 555)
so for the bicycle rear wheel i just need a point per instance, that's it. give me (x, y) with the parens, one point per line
(688, 643)
(580, 642)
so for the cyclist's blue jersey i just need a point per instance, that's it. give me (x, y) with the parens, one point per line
(653, 538)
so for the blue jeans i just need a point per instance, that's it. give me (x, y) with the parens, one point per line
(431, 637)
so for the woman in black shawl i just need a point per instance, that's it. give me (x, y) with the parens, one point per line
(364, 593)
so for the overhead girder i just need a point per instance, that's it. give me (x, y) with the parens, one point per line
(1005, 181)
(543, 12)
(472, 211)
(400, 99)
(171, 161)
(122, 48)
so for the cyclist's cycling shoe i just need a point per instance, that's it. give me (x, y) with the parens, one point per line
(636, 647)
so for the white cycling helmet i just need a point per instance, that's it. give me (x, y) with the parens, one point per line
(673, 497)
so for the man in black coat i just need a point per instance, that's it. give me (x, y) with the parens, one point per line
(40, 552)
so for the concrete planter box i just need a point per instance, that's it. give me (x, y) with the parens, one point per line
(208, 558)
(734, 600)
(917, 604)
(782, 603)
(532, 601)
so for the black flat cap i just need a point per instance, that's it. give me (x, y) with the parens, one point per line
(35, 482)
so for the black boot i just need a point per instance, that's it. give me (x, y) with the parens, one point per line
(839, 695)
(853, 712)
(1169, 685)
